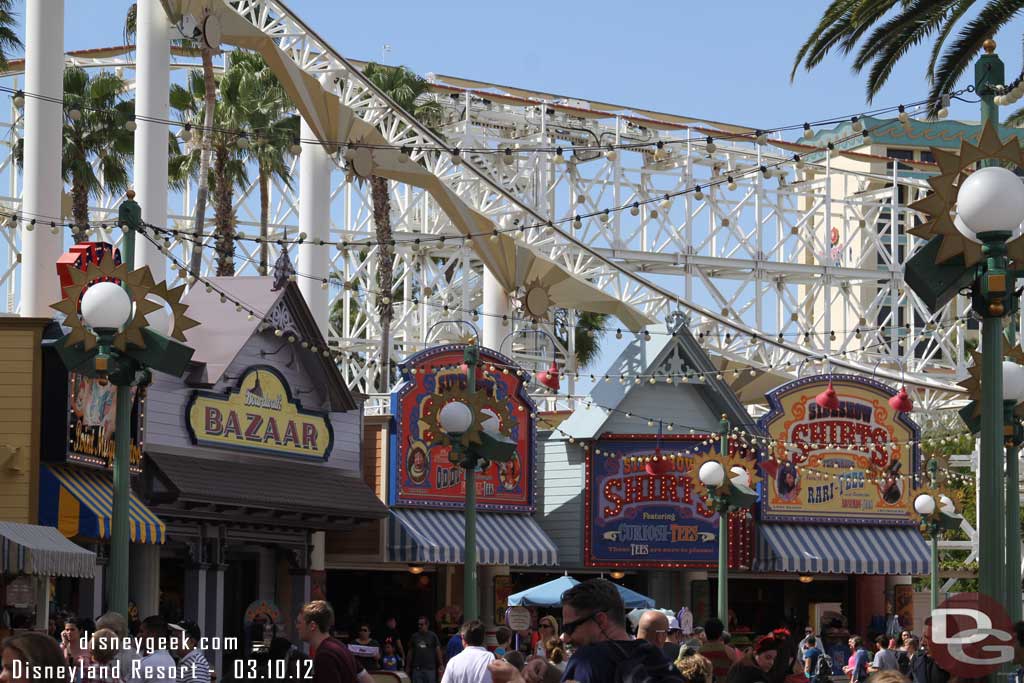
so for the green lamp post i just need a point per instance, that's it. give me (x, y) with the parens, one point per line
(937, 512)
(106, 309)
(725, 495)
(475, 437)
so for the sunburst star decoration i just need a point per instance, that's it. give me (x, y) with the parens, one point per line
(935, 492)
(137, 283)
(940, 204)
(140, 287)
(749, 466)
(972, 384)
(483, 407)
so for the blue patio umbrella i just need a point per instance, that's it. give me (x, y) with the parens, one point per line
(550, 595)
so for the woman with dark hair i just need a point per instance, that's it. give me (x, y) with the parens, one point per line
(754, 666)
(74, 640)
(786, 481)
(36, 650)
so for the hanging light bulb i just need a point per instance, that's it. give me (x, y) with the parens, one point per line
(808, 132)
(903, 116)
(75, 114)
(130, 125)
(19, 99)
(296, 147)
(857, 124)
(901, 402)
(634, 210)
(243, 141)
(186, 133)
(710, 146)
(732, 183)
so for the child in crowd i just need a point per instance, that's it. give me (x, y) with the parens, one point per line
(504, 637)
(390, 661)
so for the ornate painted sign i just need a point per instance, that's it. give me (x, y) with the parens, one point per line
(92, 417)
(422, 472)
(259, 415)
(638, 518)
(852, 464)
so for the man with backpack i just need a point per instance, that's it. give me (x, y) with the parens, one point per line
(817, 664)
(594, 622)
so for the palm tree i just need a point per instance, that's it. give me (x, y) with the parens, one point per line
(587, 335)
(94, 132)
(229, 165)
(262, 106)
(9, 40)
(404, 87)
(887, 29)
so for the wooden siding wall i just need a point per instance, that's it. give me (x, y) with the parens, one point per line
(681, 405)
(560, 496)
(20, 415)
(168, 396)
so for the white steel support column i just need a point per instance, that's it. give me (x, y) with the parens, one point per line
(152, 84)
(314, 220)
(496, 304)
(44, 75)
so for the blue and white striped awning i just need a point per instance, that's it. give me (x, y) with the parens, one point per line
(437, 537)
(827, 549)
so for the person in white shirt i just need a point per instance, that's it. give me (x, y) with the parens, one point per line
(470, 665)
(192, 665)
(157, 665)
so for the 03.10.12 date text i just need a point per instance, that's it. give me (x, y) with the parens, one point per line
(280, 669)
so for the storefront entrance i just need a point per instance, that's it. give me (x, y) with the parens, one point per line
(372, 596)
(241, 588)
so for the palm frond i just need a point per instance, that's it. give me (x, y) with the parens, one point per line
(959, 56)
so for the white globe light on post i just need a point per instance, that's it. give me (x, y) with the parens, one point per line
(739, 475)
(711, 474)
(946, 504)
(990, 200)
(1013, 382)
(106, 306)
(924, 504)
(455, 417)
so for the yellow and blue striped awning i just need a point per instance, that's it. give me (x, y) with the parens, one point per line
(80, 502)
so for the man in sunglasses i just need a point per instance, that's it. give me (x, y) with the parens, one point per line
(594, 621)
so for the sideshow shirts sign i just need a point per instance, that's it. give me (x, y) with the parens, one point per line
(259, 415)
(638, 518)
(852, 464)
(423, 472)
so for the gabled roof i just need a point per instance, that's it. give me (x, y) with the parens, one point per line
(664, 353)
(223, 331)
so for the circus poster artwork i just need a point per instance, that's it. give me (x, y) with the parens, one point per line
(424, 472)
(856, 463)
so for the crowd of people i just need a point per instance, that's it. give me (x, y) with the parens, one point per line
(592, 645)
(103, 652)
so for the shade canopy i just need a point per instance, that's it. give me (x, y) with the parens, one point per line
(550, 595)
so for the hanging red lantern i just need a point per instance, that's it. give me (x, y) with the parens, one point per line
(549, 377)
(901, 402)
(828, 398)
(658, 464)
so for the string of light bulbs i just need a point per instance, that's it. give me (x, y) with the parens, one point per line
(645, 333)
(243, 137)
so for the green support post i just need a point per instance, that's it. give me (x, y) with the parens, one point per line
(471, 356)
(120, 539)
(988, 71)
(991, 495)
(1013, 605)
(723, 535)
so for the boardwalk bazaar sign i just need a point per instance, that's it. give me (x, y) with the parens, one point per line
(423, 473)
(92, 419)
(259, 415)
(852, 464)
(635, 517)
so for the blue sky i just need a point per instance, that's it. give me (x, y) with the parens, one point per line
(728, 59)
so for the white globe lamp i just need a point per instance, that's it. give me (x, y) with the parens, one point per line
(739, 475)
(711, 474)
(160, 321)
(1013, 382)
(946, 504)
(106, 306)
(924, 504)
(455, 417)
(991, 200)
